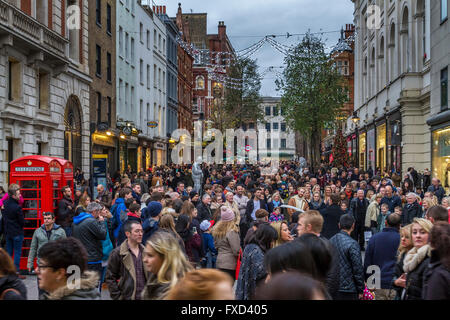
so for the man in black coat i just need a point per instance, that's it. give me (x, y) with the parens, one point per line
(203, 208)
(253, 205)
(65, 211)
(14, 222)
(358, 209)
(331, 216)
(411, 210)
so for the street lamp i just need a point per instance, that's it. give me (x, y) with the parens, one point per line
(355, 118)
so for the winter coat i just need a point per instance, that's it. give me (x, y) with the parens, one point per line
(119, 207)
(193, 248)
(105, 198)
(382, 251)
(40, 238)
(411, 211)
(359, 211)
(351, 279)
(87, 291)
(415, 263)
(242, 204)
(439, 192)
(331, 216)
(149, 226)
(91, 233)
(295, 201)
(12, 282)
(373, 211)
(436, 280)
(13, 218)
(130, 217)
(65, 213)
(251, 272)
(228, 250)
(398, 271)
(248, 211)
(204, 212)
(333, 276)
(392, 202)
(121, 273)
(155, 290)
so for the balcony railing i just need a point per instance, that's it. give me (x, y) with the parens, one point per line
(19, 24)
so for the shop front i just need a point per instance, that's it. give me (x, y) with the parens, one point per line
(394, 142)
(106, 144)
(362, 150)
(440, 156)
(144, 155)
(352, 149)
(381, 146)
(159, 153)
(370, 149)
(128, 149)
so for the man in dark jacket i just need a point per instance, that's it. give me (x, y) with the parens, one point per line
(203, 208)
(358, 209)
(253, 205)
(151, 224)
(351, 283)
(411, 210)
(392, 200)
(65, 211)
(14, 222)
(89, 227)
(382, 252)
(331, 216)
(437, 189)
(125, 264)
(103, 196)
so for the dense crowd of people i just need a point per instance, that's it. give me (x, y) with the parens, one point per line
(337, 233)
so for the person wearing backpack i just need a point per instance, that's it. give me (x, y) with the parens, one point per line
(118, 208)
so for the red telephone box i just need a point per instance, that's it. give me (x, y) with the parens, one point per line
(66, 173)
(40, 181)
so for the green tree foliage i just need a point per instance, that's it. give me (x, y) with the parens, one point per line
(313, 92)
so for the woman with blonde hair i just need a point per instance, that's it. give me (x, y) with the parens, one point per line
(416, 260)
(167, 263)
(404, 247)
(82, 204)
(167, 223)
(427, 204)
(227, 242)
(282, 229)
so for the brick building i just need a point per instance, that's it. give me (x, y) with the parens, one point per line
(102, 67)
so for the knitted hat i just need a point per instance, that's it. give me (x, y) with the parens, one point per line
(226, 214)
(154, 208)
(205, 225)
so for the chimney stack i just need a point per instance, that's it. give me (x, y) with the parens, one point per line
(222, 29)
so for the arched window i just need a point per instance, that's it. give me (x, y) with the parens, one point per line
(381, 66)
(200, 83)
(373, 75)
(421, 38)
(404, 40)
(72, 134)
(392, 57)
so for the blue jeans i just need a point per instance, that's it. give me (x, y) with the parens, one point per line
(14, 245)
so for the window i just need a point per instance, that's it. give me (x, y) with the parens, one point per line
(275, 126)
(268, 126)
(268, 144)
(164, 81)
(120, 91)
(132, 50)
(154, 38)
(444, 89)
(159, 78)
(148, 76)
(14, 80)
(141, 33)
(98, 13)
(109, 68)
(283, 127)
(141, 71)
(132, 98)
(283, 143)
(98, 61)
(200, 83)
(251, 126)
(120, 41)
(99, 107)
(126, 45)
(154, 75)
(108, 99)
(108, 19)
(444, 10)
(275, 111)
(141, 110)
(159, 42)
(126, 96)
(44, 89)
(132, 6)
(267, 111)
(148, 39)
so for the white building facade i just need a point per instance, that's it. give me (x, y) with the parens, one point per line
(392, 85)
(279, 140)
(44, 82)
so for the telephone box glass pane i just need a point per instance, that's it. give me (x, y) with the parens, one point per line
(27, 242)
(30, 194)
(55, 184)
(31, 224)
(30, 214)
(31, 204)
(55, 193)
(28, 234)
(30, 184)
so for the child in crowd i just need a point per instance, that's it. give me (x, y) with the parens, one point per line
(344, 206)
(276, 215)
(382, 216)
(209, 261)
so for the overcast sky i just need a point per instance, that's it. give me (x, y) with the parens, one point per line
(248, 21)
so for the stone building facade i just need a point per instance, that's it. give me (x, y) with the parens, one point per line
(44, 81)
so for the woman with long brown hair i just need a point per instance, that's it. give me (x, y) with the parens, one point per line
(82, 204)
(227, 242)
(11, 287)
(167, 223)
